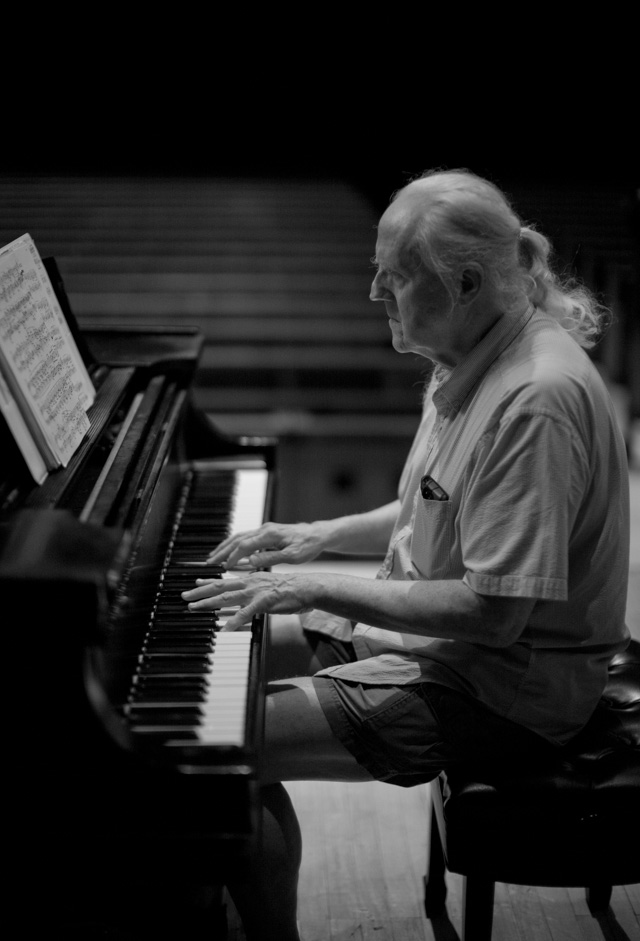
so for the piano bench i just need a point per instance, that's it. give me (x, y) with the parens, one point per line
(574, 821)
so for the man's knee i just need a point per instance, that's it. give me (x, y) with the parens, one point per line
(299, 741)
(289, 652)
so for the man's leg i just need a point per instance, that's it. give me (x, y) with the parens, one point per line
(290, 652)
(299, 745)
(299, 742)
(267, 896)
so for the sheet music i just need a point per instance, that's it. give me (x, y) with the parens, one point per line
(42, 361)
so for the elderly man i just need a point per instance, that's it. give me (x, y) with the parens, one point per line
(501, 598)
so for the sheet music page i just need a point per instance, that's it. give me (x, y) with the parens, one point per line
(43, 364)
(21, 434)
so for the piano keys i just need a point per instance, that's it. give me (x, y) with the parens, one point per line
(191, 683)
(137, 745)
(184, 696)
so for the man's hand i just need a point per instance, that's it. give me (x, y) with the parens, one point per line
(272, 544)
(254, 593)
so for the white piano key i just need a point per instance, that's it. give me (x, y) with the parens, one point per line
(249, 499)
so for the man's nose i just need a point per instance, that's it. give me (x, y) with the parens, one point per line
(377, 292)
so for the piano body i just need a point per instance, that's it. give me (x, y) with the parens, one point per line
(132, 758)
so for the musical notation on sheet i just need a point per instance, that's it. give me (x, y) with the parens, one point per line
(38, 356)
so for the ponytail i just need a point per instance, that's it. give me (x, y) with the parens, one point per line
(572, 304)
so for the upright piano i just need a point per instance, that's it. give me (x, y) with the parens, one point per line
(134, 727)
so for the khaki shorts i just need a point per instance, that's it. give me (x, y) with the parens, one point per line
(407, 735)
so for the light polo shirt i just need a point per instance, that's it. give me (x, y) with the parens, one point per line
(523, 437)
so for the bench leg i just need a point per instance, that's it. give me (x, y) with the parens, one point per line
(435, 889)
(477, 908)
(598, 898)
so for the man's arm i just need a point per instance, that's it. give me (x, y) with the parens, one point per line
(446, 609)
(293, 543)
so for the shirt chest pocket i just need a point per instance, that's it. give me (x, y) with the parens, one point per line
(432, 541)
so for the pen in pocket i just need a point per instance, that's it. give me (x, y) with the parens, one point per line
(431, 489)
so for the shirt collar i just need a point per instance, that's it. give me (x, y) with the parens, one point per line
(458, 383)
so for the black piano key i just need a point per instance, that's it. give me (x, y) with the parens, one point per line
(160, 696)
(174, 647)
(171, 633)
(191, 626)
(177, 582)
(159, 638)
(174, 607)
(158, 715)
(160, 735)
(178, 665)
(153, 688)
(176, 673)
(169, 685)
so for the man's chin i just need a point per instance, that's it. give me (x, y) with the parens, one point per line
(397, 342)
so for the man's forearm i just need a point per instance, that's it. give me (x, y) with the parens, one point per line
(445, 609)
(362, 533)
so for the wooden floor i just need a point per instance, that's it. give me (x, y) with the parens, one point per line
(364, 860)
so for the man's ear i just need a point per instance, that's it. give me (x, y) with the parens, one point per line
(470, 284)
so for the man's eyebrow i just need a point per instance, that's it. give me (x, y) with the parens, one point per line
(389, 269)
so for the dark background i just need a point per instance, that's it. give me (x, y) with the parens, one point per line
(328, 138)
(375, 98)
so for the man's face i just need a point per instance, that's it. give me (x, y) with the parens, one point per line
(417, 303)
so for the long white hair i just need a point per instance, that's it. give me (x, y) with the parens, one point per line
(462, 218)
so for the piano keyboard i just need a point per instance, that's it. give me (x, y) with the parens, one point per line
(190, 687)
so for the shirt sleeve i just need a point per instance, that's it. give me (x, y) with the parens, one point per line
(521, 494)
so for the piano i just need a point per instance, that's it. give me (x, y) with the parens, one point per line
(133, 745)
